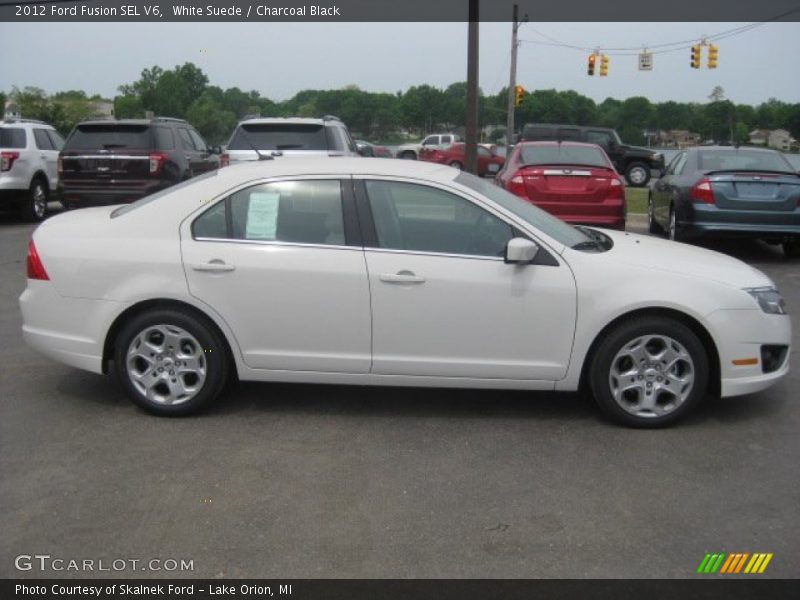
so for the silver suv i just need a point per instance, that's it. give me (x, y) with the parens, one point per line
(28, 165)
(287, 137)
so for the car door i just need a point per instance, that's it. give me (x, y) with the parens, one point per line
(48, 154)
(444, 302)
(205, 161)
(282, 264)
(192, 154)
(664, 188)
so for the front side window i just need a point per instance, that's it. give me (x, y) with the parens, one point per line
(42, 140)
(601, 138)
(420, 218)
(304, 212)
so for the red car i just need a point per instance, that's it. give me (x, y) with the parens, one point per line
(453, 155)
(575, 182)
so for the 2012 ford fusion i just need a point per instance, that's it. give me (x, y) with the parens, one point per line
(367, 271)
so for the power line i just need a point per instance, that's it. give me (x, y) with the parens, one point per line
(655, 48)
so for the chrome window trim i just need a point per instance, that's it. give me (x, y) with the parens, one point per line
(111, 156)
(441, 254)
(278, 243)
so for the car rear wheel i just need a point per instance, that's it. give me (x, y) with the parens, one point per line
(408, 155)
(34, 206)
(649, 372)
(672, 230)
(170, 363)
(652, 224)
(637, 174)
(456, 164)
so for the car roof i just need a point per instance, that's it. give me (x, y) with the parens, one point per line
(287, 120)
(729, 148)
(339, 166)
(557, 143)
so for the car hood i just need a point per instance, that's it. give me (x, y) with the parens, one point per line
(657, 254)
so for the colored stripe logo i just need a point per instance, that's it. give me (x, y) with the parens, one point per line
(735, 562)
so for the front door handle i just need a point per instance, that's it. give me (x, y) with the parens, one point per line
(213, 266)
(401, 277)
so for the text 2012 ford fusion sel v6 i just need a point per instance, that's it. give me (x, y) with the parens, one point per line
(367, 271)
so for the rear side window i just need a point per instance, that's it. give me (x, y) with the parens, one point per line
(12, 137)
(110, 136)
(279, 136)
(563, 154)
(303, 212)
(42, 139)
(165, 139)
(186, 139)
(601, 138)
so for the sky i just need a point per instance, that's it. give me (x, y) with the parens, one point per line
(280, 59)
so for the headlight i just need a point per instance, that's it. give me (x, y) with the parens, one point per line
(769, 299)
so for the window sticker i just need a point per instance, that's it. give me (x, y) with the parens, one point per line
(262, 216)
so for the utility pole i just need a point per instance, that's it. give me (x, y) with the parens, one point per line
(471, 141)
(512, 79)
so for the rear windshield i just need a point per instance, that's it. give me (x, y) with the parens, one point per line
(109, 137)
(12, 137)
(563, 155)
(279, 136)
(743, 160)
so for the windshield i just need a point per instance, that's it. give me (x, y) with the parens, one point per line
(279, 136)
(122, 210)
(541, 220)
(742, 159)
(563, 154)
(95, 137)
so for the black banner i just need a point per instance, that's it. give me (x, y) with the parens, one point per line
(376, 589)
(395, 10)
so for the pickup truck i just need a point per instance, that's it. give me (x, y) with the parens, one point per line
(411, 151)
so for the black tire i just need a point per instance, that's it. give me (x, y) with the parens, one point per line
(205, 345)
(651, 330)
(33, 206)
(652, 225)
(673, 232)
(637, 174)
(408, 155)
(791, 249)
(456, 164)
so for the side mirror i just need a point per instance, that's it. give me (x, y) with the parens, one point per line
(364, 150)
(520, 251)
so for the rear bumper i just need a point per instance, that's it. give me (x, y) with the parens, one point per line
(709, 220)
(79, 197)
(58, 328)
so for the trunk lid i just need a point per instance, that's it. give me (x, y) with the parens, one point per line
(753, 191)
(569, 183)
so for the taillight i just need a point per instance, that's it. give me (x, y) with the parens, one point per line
(35, 266)
(224, 160)
(617, 189)
(517, 186)
(702, 192)
(157, 160)
(7, 160)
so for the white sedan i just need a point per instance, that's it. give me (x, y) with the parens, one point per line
(368, 271)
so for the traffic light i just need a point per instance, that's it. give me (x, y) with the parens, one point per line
(603, 65)
(697, 49)
(519, 94)
(713, 52)
(590, 66)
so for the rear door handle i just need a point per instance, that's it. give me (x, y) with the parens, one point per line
(401, 277)
(213, 266)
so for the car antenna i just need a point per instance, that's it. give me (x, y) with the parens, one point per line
(252, 145)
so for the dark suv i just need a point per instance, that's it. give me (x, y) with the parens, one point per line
(112, 162)
(633, 162)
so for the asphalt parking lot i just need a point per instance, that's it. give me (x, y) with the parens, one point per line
(287, 481)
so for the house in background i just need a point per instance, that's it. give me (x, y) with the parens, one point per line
(676, 138)
(759, 137)
(11, 110)
(780, 139)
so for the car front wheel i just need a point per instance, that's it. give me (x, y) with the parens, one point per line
(649, 372)
(637, 174)
(652, 225)
(408, 155)
(170, 363)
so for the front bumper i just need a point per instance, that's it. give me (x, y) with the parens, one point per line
(740, 335)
